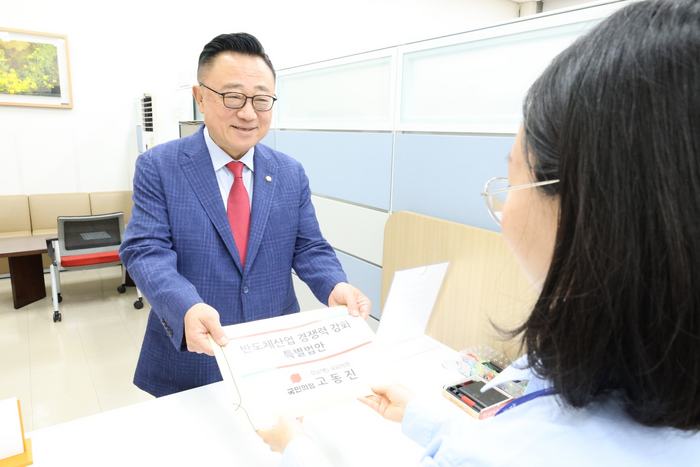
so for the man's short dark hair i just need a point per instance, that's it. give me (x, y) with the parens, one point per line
(240, 43)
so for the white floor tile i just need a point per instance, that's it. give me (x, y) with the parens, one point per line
(13, 322)
(70, 370)
(56, 359)
(19, 385)
(27, 421)
(14, 350)
(122, 398)
(56, 336)
(117, 341)
(77, 367)
(81, 366)
(114, 372)
(64, 400)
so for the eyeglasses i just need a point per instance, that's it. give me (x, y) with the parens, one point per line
(237, 100)
(496, 191)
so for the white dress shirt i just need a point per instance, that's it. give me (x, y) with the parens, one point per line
(219, 159)
(540, 432)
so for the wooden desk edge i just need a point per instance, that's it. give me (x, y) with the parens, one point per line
(29, 252)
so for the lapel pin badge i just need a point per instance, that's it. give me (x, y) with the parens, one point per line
(268, 178)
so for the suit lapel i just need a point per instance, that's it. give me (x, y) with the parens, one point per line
(263, 193)
(197, 166)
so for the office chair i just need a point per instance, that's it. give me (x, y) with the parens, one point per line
(86, 242)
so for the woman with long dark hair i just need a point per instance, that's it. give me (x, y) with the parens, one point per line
(603, 216)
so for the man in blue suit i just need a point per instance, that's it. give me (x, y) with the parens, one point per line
(219, 222)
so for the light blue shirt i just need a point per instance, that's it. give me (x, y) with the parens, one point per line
(224, 177)
(541, 432)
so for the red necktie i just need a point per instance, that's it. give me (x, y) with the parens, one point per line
(238, 209)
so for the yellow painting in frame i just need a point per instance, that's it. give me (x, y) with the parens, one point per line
(34, 69)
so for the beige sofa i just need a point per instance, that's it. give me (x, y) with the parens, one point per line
(36, 214)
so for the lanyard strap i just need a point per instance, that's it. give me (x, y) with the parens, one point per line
(527, 398)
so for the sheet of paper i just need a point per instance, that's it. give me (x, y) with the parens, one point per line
(299, 363)
(409, 303)
(11, 442)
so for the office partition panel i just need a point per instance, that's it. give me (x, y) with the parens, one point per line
(354, 167)
(418, 127)
(354, 93)
(478, 86)
(443, 175)
(351, 228)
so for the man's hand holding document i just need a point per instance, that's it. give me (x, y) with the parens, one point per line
(299, 363)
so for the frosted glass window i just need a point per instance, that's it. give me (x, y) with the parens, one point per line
(344, 96)
(478, 86)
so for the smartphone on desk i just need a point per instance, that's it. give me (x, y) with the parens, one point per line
(466, 394)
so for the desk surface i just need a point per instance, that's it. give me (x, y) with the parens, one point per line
(23, 246)
(202, 427)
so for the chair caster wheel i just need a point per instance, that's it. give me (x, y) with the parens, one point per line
(56, 317)
(60, 299)
(138, 304)
(121, 288)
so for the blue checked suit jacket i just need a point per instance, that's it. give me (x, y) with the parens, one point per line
(180, 251)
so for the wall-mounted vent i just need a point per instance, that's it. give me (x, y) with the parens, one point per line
(147, 112)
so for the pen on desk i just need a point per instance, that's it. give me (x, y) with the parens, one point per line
(474, 400)
(468, 401)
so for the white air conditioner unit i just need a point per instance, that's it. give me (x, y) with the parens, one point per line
(145, 123)
(158, 116)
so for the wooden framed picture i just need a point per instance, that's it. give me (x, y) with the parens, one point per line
(34, 69)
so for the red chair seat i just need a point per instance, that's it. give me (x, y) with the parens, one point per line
(88, 260)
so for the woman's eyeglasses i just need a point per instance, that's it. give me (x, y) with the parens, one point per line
(496, 191)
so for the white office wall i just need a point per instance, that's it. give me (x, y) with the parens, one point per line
(119, 51)
(551, 5)
(114, 58)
